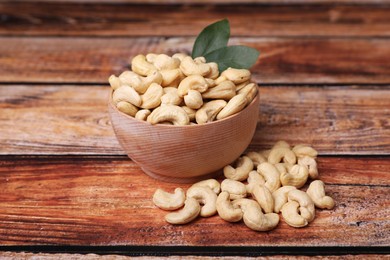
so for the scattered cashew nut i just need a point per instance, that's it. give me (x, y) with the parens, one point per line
(270, 174)
(243, 166)
(236, 189)
(206, 197)
(213, 184)
(316, 192)
(226, 210)
(190, 211)
(168, 201)
(169, 113)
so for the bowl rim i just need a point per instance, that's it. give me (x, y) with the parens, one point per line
(220, 121)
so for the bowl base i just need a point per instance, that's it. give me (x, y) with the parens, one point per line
(182, 179)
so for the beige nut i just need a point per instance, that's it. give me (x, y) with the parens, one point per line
(235, 189)
(195, 82)
(164, 62)
(141, 66)
(190, 211)
(280, 197)
(152, 97)
(139, 83)
(169, 201)
(220, 79)
(270, 174)
(127, 94)
(316, 192)
(235, 105)
(283, 168)
(170, 77)
(302, 150)
(169, 113)
(214, 72)
(290, 213)
(280, 153)
(224, 90)
(114, 82)
(250, 91)
(213, 184)
(127, 108)
(296, 176)
(236, 75)
(282, 143)
(206, 197)
(171, 97)
(189, 67)
(193, 99)
(226, 210)
(311, 164)
(265, 153)
(142, 114)
(241, 171)
(306, 204)
(208, 112)
(242, 85)
(190, 112)
(264, 197)
(179, 56)
(256, 158)
(254, 179)
(151, 57)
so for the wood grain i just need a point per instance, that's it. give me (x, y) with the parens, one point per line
(74, 119)
(105, 20)
(284, 61)
(81, 201)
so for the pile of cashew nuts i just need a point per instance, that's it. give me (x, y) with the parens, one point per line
(179, 90)
(257, 187)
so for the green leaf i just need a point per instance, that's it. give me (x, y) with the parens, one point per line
(239, 57)
(212, 37)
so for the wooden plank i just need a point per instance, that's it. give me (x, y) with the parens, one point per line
(80, 201)
(284, 61)
(77, 19)
(74, 119)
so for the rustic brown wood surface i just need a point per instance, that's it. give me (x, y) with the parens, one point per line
(285, 61)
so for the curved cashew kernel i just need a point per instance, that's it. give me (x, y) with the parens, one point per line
(270, 174)
(190, 112)
(224, 90)
(142, 114)
(306, 204)
(208, 112)
(210, 82)
(311, 164)
(243, 166)
(152, 96)
(249, 91)
(290, 213)
(169, 77)
(179, 56)
(139, 83)
(281, 144)
(316, 192)
(140, 65)
(189, 67)
(151, 57)
(265, 153)
(193, 99)
(236, 75)
(256, 158)
(283, 168)
(264, 197)
(128, 94)
(302, 150)
(296, 177)
(278, 153)
(213, 184)
(127, 108)
(214, 72)
(169, 113)
(235, 105)
(164, 62)
(206, 197)
(254, 179)
(195, 82)
(190, 211)
(226, 210)
(114, 81)
(199, 60)
(242, 85)
(280, 197)
(168, 201)
(171, 97)
(236, 189)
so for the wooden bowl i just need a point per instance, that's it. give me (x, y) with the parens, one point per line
(185, 154)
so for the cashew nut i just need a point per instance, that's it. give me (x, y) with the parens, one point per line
(256, 158)
(168, 201)
(170, 77)
(316, 192)
(190, 112)
(302, 150)
(235, 105)
(224, 90)
(270, 174)
(164, 62)
(281, 143)
(171, 97)
(209, 111)
(151, 57)
(213, 184)
(296, 176)
(280, 197)
(114, 82)
(249, 91)
(264, 197)
(242, 85)
(169, 113)
(179, 56)
(290, 213)
(236, 75)
(278, 153)
(306, 204)
(141, 66)
(142, 114)
(214, 72)
(254, 179)
(190, 211)
(236, 189)
(128, 94)
(139, 83)
(226, 210)
(127, 108)
(243, 166)
(311, 164)
(193, 99)
(206, 197)
(189, 67)
(152, 97)
(195, 82)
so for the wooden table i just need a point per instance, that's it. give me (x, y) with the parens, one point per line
(66, 185)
